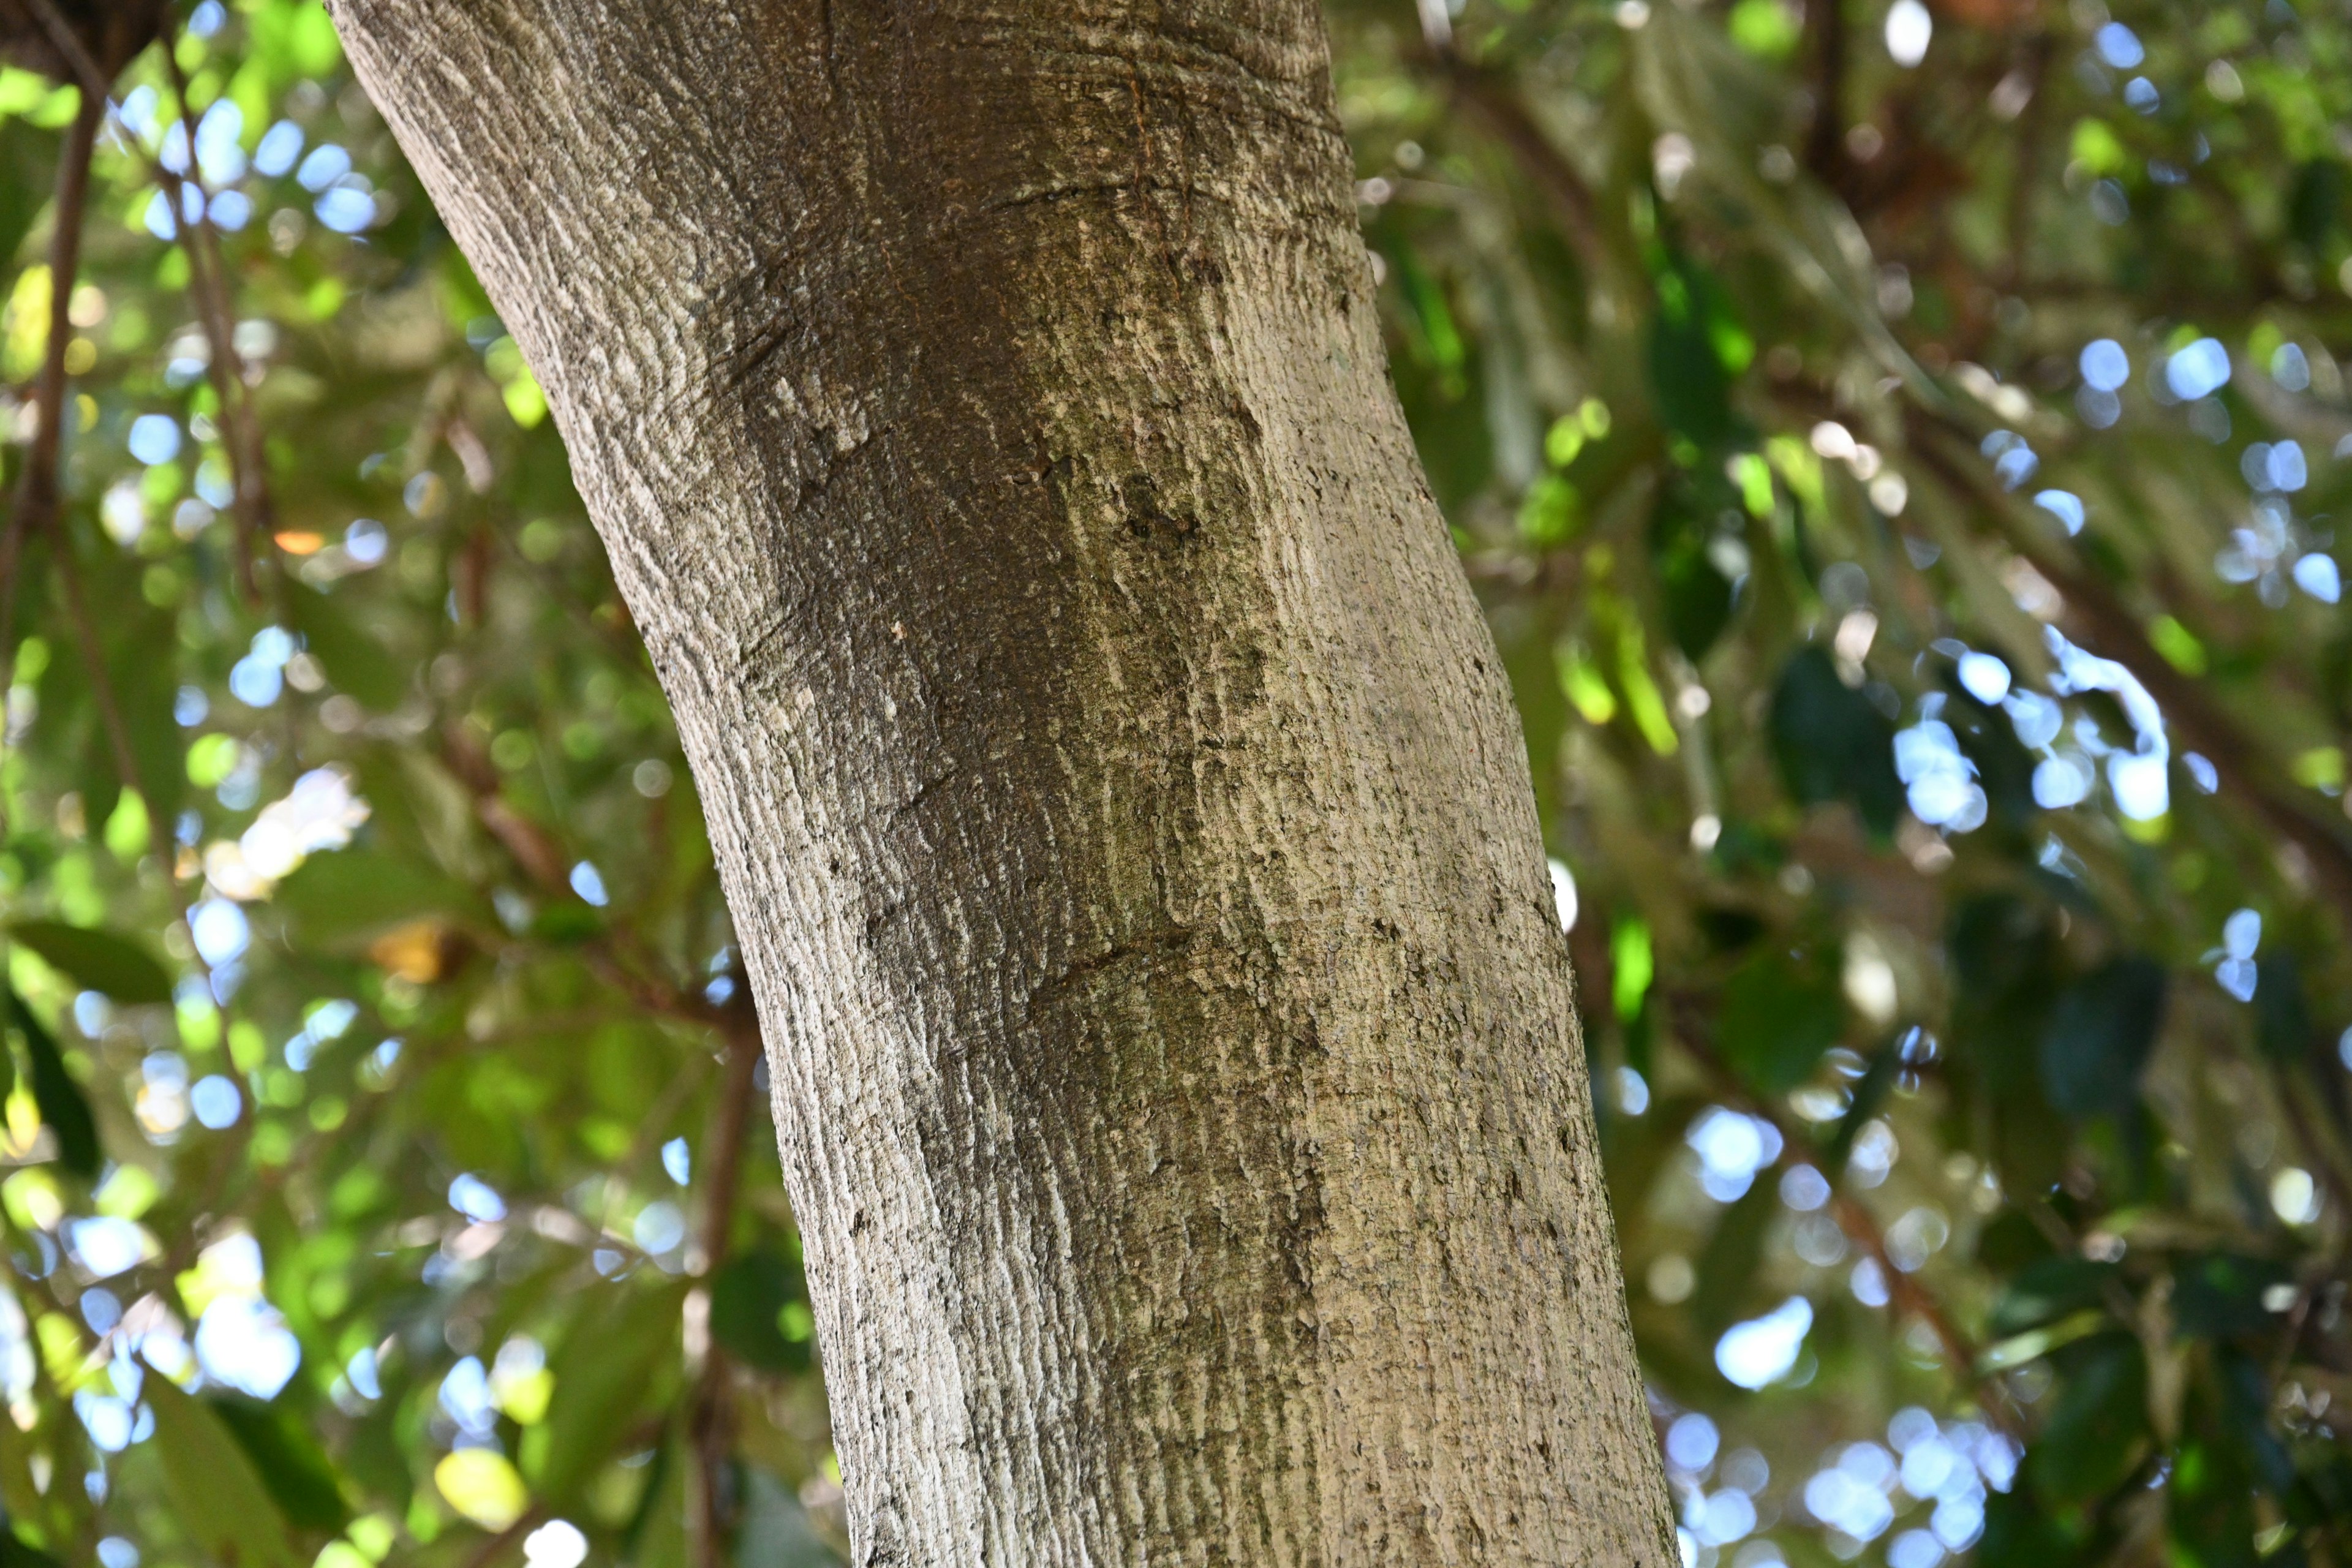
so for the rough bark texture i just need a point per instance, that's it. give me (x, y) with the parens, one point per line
(1115, 786)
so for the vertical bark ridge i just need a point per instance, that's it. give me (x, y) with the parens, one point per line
(1116, 789)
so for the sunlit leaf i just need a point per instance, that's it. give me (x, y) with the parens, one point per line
(482, 1485)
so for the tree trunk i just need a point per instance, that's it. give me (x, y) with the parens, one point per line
(1115, 786)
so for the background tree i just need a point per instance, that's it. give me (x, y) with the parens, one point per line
(1895, 452)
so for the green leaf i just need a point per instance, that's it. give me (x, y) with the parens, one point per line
(775, 1531)
(290, 1461)
(1779, 1015)
(2097, 1430)
(2218, 1295)
(16, 1553)
(748, 1297)
(1695, 347)
(2100, 1034)
(2314, 208)
(654, 1536)
(1698, 599)
(1830, 743)
(356, 663)
(604, 1374)
(97, 960)
(218, 1497)
(567, 924)
(2053, 1287)
(2018, 1533)
(1729, 1272)
(142, 663)
(2001, 949)
(64, 1108)
(28, 158)
(352, 896)
(1869, 1094)
(2282, 1009)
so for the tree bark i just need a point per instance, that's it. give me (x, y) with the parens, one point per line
(1116, 788)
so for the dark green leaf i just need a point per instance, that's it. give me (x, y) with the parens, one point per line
(2281, 1010)
(1869, 1094)
(64, 1108)
(2218, 1295)
(2049, 1289)
(16, 1553)
(1832, 743)
(1730, 1276)
(352, 896)
(290, 1463)
(565, 924)
(2097, 1430)
(1689, 374)
(141, 659)
(2099, 1036)
(747, 1300)
(28, 157)
(2018, 1533)
(1697, 598)
(1779, 1014)
(97, 960)
(355, 661)
(2011, 1243)
(2001, 949)
(2315, 202)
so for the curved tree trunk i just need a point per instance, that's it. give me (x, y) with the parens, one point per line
(1115, 786)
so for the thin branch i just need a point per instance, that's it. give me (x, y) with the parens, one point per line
(2027, 158)
(37, 492)
(1825, 138)
(708, 1417)
(251, 509)
(252, 502)
(70, 47)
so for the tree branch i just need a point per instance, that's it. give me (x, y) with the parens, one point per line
(37, 488)
(251, 505)
(708, 1422)
(1825, 138)
(251, 509)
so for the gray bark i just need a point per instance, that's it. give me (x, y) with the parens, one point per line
(1114, 783)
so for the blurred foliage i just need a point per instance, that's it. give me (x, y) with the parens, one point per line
(1897, 452)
